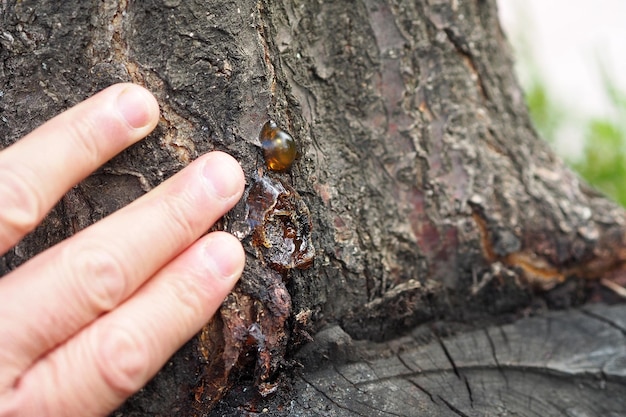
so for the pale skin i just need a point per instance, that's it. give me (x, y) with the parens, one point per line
(89, 321)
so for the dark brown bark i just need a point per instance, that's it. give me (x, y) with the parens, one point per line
(421, 185)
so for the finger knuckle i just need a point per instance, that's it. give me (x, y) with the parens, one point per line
(180, 216)
(22, 205)
(191, 297)
(85, 137)
(122, 360)
(98, 276)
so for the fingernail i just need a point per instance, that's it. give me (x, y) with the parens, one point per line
(135, 104)
(225, 253)
(224, 175)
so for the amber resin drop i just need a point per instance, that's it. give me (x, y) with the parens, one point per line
(279, 148)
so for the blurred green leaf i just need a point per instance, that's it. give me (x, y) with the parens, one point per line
(603, 162)
(546, 115)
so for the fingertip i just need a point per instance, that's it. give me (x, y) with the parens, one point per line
(226, 256)
(223, 175)
(137, 106)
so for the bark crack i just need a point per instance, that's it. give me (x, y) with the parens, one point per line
(604, 320)
(424, 390)
(469, 390)
(448, 356)
(501, 368)
(456, 370)
(466, 54)
(452, 408)
(323, 394)
(267, 54)
(332, 401)
(403, 362)
(492, 347)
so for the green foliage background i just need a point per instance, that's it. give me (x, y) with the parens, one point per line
(603, 161)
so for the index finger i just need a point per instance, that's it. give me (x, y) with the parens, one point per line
(37, 170)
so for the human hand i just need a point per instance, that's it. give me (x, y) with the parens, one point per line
(88, 322)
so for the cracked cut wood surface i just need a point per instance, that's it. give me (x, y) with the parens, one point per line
(424, 190)
(562, 364)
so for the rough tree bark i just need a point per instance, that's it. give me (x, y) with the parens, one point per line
(433, 209)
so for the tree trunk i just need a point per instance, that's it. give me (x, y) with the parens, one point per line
(421, 208)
